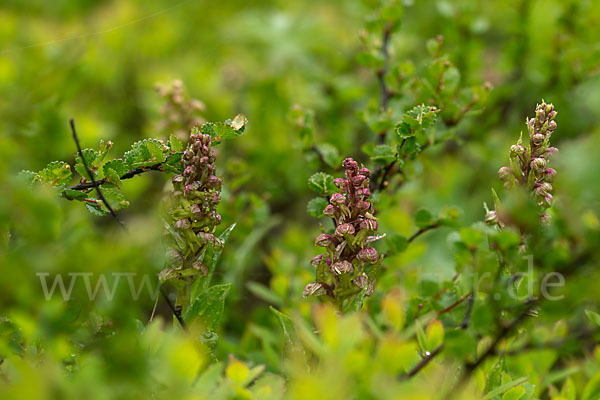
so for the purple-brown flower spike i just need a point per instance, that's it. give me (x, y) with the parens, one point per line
(195, 199)
(529, 165)
(350, 265)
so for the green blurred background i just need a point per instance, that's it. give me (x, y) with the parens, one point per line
(98, 62)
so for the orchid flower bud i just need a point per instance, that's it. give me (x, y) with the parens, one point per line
(517, 150)
(344, 229)
(182, 224)
(177, 179)
(551, 151)
(329, 210)
(538, 139)
(546, 218)
(213, 182)
(368, 255)
(188, 170)
(538, 164)
(337, 198)
(364, 172)
(543, 189)
(325, 240)
(342, 267)
(362, 281)
(316, 260)
(505, 173)
(549, 174)
(358, 180)
(314, 289)
(369, 224)
(491, 218)
(350, 165)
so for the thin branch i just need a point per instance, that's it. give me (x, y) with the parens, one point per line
(384, 91)
(423, 363)
(176, 311)
(553, 344)
(384, 175)
(89, 171)
(504, 332)
(467, 318)
(423, 230)
(455, 304)
(128, 175)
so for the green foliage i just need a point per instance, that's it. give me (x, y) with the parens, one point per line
(428, 95)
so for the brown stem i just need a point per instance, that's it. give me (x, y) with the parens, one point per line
(128, 175)
(423, 230)
(90, 173)
(454, 305)
(423, 363)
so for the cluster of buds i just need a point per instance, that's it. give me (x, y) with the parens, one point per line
(194, 209)
(529, 165)
(179, 113)
(349, 264)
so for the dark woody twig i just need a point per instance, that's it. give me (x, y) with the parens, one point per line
(423, 230)
(423, 363)
(128, 175)
(175, 310)
(90, 173)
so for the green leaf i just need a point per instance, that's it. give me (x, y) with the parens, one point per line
(239, 123)
(287, 325)
(569, 391)
(383, 154)
(357, 301)
(514, 394)
(113, 197)
(593, 316)
(75, 194)
(330, 153)
(264, 293)
(494, 377)
(208, 128)
(421, 338)
(451, 79)
(316, 206)
(381, 125)
(29, 177)
(471, 237)
(435, 334)
(173, 163)
(208, 307)
(369, 59)
(175, 144)
(503, 388)
(208, 381)
(398, 243)
(118, 165)
(57, 173)
(211, 259)
(423, 218)
(417, 121)
(410, 148)
(156, 150)
(112, 176)
(89, 155)
(592, 388)
(322, 183)
(96, 209)
(229, 129)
